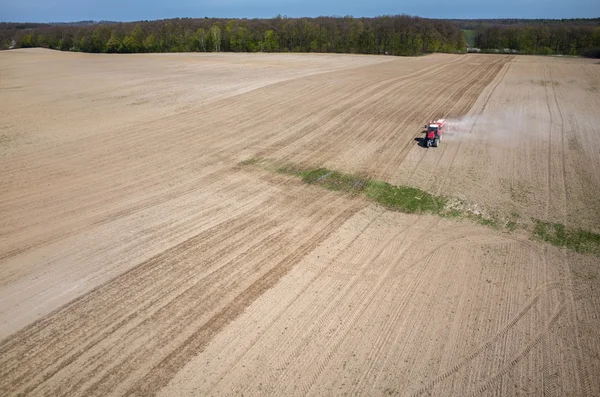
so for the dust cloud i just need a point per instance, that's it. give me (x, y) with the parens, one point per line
(509, 128)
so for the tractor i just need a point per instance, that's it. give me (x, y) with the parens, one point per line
(433, 132)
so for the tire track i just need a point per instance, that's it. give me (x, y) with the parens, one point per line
(490, 342)
(365, 302)
(321, 318)
(584, 383)
(549, 160)
(494, 378)
(391, 326)
(445, 179)
(284, 310)
(159, 376)
(563, 147)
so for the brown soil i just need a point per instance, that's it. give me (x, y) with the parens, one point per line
(137, 257)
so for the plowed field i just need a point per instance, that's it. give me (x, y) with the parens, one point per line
(140, 254)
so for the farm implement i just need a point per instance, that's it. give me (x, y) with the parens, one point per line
(434, 130)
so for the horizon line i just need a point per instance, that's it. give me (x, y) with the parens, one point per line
(96, 21)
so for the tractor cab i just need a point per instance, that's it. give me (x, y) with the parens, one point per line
(433, 131)
(435, 128)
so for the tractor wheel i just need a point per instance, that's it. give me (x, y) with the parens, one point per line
(436, 142)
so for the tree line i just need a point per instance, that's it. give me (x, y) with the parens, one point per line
(553, 39)
(393, 35)
(473, 24)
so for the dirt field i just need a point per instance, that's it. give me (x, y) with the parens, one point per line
(138, 257)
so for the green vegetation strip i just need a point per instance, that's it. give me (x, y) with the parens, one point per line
(578, 240)
(398, 198)
(412, 200)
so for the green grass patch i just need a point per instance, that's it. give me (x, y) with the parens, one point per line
(404, 199)
(451, 214)
(289, 170)
(397, 198)
(332, 180)
(557, 234)
(489, 222)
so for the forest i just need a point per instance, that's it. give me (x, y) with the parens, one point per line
(541, 37)
(392, 35)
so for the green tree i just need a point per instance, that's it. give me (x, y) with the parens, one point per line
(114, 43)
(66, 43)
(84, 43)
(270, 41)
(138, 35)
(238, 37)
(540, 39)
(27, 41)
(356, 30)
(98, 41)
(215, 32)
(526, 41)
(134, 42)
(130, 44)
(150, 43)
(201, 39)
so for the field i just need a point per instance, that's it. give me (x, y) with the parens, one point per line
(155, 238)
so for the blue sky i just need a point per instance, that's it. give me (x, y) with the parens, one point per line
(133, 10)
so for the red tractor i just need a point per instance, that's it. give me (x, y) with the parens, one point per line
(433, 132)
